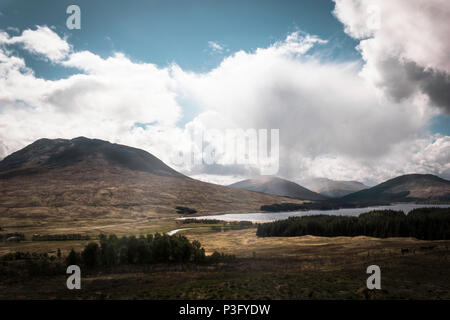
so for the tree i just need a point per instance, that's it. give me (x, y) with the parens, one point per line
(91, 255)
(199, 252)
(73, 258)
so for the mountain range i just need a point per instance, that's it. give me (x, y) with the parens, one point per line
(332, 188)
(278, 186)
(406, 188)
(90, 177)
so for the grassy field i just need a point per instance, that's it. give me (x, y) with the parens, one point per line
(92, 228)
(265, 268)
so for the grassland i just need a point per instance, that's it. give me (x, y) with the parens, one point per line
(265, 268)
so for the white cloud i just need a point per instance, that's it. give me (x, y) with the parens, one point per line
(424, 154)
(42, 41)
(215, 47)
(13, 29)
(403, 44)
(319, 107)
(331, 122)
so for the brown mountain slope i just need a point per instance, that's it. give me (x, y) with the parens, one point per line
(279, 187)
(85, 177)
(406, 188)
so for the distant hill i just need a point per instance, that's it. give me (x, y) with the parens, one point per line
(95, 178)
(410, 187)
(332, 188)
(278, 186)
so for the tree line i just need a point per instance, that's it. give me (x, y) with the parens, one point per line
(159, 248)
(59, 237)
(421, 223)
(329, 204)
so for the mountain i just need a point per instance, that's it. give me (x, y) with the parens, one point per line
(45, 154)
(332, 188)
(410, 187)
(94, 178)
(278, 186)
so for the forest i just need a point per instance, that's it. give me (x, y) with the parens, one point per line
(422, 223)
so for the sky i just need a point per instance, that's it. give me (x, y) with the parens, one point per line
(359, 90)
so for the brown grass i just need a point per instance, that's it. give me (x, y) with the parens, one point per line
(266, 268)
(100, 193)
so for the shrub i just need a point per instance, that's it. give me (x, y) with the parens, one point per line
(185, 210)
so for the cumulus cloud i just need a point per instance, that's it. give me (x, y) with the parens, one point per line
(42, 41)
(319, 107)
(332, 123)
(423, 154)
(403, 44)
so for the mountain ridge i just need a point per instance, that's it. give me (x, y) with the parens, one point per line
(332, 188)
(278, 186)
(406, 188)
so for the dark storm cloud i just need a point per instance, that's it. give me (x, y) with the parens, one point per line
(401, 80)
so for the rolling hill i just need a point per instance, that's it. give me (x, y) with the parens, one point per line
(278, 186)
(332, 188)
(90, 177)
(406, 188)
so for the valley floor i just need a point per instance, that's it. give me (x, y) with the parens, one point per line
(265, 268)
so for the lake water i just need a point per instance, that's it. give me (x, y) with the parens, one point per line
(272, 216)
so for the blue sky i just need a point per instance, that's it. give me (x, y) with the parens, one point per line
(164, 31)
